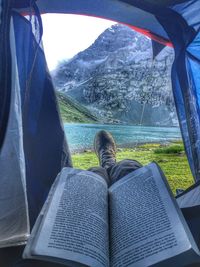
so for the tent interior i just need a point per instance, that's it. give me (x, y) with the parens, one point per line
(32, 113)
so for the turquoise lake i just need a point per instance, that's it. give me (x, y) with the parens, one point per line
(81, 136)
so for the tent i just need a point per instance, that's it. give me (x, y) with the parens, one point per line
(30, 149)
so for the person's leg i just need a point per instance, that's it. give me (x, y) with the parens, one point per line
(102, 172)
(122, 168)
(105, 149)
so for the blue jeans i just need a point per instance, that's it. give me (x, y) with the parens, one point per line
(117, 171)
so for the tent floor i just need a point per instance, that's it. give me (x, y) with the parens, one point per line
(11, 257)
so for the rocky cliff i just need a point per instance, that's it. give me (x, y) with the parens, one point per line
(117, 79)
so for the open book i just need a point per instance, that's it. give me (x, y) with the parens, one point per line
(136, 222)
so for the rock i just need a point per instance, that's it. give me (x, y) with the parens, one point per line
(162, 160)
(87, 150)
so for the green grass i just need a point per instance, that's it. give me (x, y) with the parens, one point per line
(172, 149)
(173, 163)
(73, 112)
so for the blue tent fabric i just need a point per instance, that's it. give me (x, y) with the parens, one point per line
(194, 48)
(5, 67)
(114, 10)
(192, 217)
(157, 48)
(22, 3)
(193, 69)
(45, 147)
(181, 22)
(182, 36)
(190, 11)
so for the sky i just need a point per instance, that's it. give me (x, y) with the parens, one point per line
(66, 35)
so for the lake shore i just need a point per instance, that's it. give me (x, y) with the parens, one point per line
(135, 145)
(80, 136)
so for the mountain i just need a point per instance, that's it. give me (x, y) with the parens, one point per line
(118, 81)
(73, 112)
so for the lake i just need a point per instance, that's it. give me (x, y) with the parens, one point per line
(81, 136)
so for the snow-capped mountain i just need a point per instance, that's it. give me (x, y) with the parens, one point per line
(117, 79)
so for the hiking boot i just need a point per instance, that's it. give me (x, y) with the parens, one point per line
(105, 149)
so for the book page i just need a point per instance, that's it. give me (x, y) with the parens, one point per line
(146, 224)
(75, 227)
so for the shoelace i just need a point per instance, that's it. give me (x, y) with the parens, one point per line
(107, 157)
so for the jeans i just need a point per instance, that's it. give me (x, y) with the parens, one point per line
(117, 170)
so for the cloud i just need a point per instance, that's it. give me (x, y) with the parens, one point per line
(65, 35)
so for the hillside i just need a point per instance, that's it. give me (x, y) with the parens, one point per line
(73, 112)
(118, 81)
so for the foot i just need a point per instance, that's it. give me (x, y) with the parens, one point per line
(105, 149)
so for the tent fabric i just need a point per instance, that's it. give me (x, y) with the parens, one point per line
(0, 10)
(190, 197)
(193, 71)
(45, 147)
(157, 48)
(189, 202)
(190, 11)
(192, 218)
(180, 90)
(5, 67)
(194, 49)
(14, 220)
(185, 88)
(114, 10)
(23, 3)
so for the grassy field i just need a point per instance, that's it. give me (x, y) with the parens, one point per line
(171, 158)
